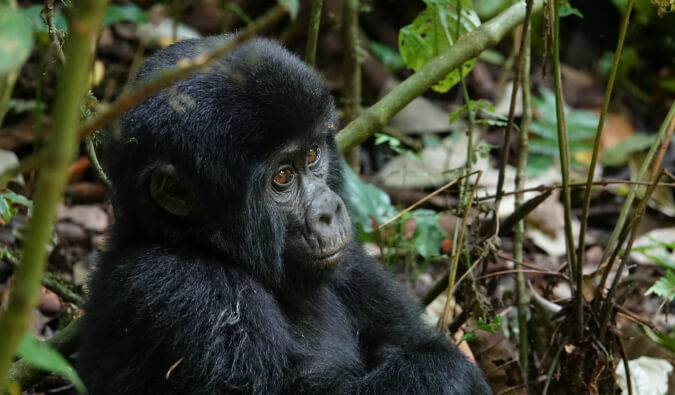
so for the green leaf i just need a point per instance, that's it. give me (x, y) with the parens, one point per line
(128, 12)
(433, 31)
(366, 201)
(16, 39)
(664, 287)
(6, 212)
(42, 356)
(428, 233)
(659, 338)
(468, 337)
(15, 198)
(491, 327)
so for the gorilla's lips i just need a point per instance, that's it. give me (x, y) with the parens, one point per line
(332, 257)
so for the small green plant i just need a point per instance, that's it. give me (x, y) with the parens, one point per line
(490, 327)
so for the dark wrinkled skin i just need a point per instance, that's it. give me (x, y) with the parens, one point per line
(259, 289)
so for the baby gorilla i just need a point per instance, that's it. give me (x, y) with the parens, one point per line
(232, 265)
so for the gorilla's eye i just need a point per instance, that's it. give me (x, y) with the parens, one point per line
(312, 155)
(283, 176)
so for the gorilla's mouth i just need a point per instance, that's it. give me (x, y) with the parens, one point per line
(331, 257)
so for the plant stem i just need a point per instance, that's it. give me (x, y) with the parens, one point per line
(519, 231)
(352, 73)
(575, 271)
(313, 32)
(60, 152)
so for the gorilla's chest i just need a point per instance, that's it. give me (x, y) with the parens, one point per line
(325, 338)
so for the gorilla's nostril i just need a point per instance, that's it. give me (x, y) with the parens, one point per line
(326, 219)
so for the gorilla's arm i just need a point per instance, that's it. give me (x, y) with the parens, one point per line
(173, 323)
(403, 355)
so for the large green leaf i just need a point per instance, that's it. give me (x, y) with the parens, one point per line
(433, 31)
(42, 356)
(16, 39)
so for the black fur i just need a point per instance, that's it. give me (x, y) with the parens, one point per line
(210, 293)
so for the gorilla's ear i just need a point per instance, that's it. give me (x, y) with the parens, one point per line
(169, 192)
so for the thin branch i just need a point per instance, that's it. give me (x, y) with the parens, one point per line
(601, 183)
(91, 152)
(470, 46)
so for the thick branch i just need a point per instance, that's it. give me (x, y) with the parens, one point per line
(469, 47)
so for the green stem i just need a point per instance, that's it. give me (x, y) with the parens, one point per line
(519, 231)
(352, 72)
(575, 271)
(313, 32)
(60, 152)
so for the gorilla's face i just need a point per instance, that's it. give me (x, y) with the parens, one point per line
(317, 228)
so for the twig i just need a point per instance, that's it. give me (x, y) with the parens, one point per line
(91, 152)
(424, 199)
(313, 32)
(471, 45)
(622, 351)
(60, 151)
(563, 145)
(598, 134)
(554, 364)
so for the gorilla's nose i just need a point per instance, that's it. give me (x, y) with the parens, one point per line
(325, 214)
